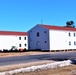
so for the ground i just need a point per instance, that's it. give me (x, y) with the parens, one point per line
(22, 65)
(16, 66)
(69, 70)
(10, 54)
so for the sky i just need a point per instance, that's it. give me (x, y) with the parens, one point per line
(22, 15)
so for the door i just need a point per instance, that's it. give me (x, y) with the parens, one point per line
(38, 45)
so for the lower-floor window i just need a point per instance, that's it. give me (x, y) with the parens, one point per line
(25, 45)
(69, 43)
(19, 45)
(45, 41)
(74, 42)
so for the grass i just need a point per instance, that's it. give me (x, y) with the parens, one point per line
(10, 54)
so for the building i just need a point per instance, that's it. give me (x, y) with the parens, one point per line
(47, 37)
(11, 39)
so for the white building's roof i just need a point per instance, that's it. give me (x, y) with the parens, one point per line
(50, 27)
(13, 33)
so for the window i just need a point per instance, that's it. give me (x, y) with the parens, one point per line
(45, 41)
(19, 45)
(25, 45)
(24, 38)
(44, 31)
(69, 43)
(74, 42)
(69, 34)
(74, 34)
(19, 38)
(37, 34)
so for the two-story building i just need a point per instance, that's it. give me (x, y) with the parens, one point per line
(9, 39)
(49, 37)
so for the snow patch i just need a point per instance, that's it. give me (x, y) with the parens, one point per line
(38, 67)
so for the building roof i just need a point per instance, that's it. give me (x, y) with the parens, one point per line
(57, 27)
(13, 33)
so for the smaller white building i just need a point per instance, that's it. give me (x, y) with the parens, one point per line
(47, 37)
(10, 39)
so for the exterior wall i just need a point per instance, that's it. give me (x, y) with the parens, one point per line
(59, 40)
(23, 41)
(41, 42)
(7, 41)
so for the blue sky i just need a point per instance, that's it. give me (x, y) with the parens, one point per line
(21, 15)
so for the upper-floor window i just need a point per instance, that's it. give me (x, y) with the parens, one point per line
(74, 34)
(37, 34)
(69, 43)
(19, 38)
(44, 31)
(69, 34)
(24, 38)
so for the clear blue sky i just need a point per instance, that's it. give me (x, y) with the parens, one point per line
(21, 15)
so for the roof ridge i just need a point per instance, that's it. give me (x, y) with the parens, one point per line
(49, 25)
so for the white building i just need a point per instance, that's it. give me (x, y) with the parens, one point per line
(46, 37)
(9, 39)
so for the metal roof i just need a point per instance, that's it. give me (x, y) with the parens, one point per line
(57, 27)
(13, 33)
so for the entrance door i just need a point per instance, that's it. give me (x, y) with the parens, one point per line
(38, 45)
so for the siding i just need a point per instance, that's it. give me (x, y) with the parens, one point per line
(33, 39)
(59, 40)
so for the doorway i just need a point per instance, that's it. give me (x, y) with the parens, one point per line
(38, 45)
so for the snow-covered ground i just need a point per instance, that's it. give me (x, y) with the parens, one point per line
(38, 67)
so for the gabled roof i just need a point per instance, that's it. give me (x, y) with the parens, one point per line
(13, 33)
(50, 27)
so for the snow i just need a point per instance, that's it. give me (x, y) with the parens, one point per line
(38, 67)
